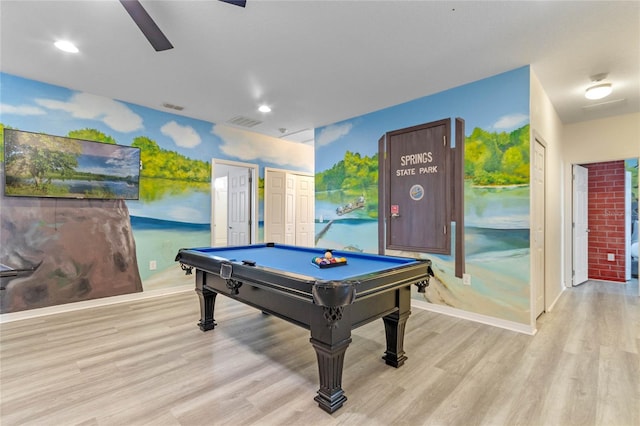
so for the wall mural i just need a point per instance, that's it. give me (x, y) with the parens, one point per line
(496, 191)
(174, 209)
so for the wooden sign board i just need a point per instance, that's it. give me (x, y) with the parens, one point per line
(422, 189)
(419, 185)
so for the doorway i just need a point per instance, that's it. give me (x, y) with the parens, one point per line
(604, 203)
(234, 189)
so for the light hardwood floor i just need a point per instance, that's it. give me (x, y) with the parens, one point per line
(147, 363)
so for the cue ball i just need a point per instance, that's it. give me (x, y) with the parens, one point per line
(328, 255)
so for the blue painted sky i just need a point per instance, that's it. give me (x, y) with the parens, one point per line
(39, 107)
(499, 103)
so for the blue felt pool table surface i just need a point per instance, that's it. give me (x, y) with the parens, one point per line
(298, 260)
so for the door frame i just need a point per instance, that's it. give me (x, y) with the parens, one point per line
(535, 198)
(569, 277)
(253, 197)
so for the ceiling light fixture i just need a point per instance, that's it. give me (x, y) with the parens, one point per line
(600, 90)
(264, 108)
(66, 46)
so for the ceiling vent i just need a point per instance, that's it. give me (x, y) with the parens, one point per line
(172, 106)
(244, 121)
(614, 103)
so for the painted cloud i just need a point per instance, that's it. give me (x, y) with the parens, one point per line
(248, 146)
(184, 136)
(114, 114)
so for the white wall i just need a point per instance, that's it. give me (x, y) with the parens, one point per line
(608, 139)
(546, 125)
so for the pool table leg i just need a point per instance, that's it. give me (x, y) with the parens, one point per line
(207, 303)
(330, 362)
(394, 325)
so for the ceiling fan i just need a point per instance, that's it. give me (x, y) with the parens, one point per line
(150, 29)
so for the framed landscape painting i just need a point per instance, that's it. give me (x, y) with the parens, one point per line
(41, 165)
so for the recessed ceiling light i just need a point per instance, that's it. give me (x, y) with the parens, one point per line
(264, 108)
(66, 46)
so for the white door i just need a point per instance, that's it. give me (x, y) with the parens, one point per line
(238, 204)
(274, 205)
(580, 224)
(220, 211)
(290, 210)
(305, 199)
(289, 199)
(538, 225)
(233, 210)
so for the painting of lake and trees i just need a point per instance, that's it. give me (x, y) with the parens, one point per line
(41, 165)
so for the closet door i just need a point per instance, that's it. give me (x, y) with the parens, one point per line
(305, 208)
(274, 206)
(289, 208)
(238, 205)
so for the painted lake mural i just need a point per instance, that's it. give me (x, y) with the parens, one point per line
(173, 210)
(496, 191)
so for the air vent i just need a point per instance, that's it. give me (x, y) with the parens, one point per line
(614, 103)
(244, 121)
(172, 106)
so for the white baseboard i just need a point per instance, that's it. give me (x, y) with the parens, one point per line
(93, 303)
(471, 316)
(553, 304)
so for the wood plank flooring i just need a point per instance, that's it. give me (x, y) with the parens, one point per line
(147, 363)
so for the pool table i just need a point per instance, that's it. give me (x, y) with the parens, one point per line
(330, 301)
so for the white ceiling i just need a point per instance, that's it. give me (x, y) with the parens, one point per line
(319, 62)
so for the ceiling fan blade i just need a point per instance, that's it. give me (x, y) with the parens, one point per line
(241, 3)
(146, 24)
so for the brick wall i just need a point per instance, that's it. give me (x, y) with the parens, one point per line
(606, 221)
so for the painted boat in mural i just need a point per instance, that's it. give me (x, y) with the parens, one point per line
(349, 207)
